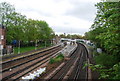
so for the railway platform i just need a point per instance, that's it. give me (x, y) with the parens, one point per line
(68, 49)
(71, 69)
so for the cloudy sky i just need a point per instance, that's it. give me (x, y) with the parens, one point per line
(63, 16)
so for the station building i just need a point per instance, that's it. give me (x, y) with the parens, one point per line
(4, 48)
(2, 38)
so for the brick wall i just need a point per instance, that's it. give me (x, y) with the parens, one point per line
(2, 35)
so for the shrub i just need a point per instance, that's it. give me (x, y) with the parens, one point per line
(52, 61)
(59, 58)
(105, 60)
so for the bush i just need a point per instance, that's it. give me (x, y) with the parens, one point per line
(52, 61)
(116, 72)
(57, 59)
(60, 56)
(106, 60)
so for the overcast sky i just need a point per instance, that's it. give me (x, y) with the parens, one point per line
(63, 16)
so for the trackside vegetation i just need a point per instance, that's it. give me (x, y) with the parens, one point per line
(59, 58)
(105, 33)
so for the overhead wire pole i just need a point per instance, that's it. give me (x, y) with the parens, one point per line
(45, 44)
(19, 48)
(36, 45)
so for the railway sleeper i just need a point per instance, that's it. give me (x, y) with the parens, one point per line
(21, 70)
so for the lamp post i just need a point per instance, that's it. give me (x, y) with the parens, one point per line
(36, 45)
(19, 47)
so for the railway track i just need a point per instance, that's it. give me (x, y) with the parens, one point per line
(20, 61)
(73, 68)
(15, 69)
(10, 57)
(79, 73)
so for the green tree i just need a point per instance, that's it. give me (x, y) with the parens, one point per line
(5, 12)
(22, 29)
(105, 33)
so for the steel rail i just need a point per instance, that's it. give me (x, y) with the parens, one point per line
(25, 60)
(34, 63)
(61, 73)
(79, 73)
(31, 54)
